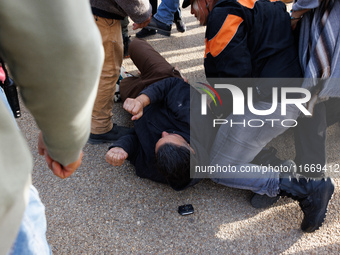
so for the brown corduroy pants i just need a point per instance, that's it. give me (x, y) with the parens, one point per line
(152, 66)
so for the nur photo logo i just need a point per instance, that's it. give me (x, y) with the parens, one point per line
(280, 99)
(204, 97)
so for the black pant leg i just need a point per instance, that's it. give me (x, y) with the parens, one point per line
(310, 142)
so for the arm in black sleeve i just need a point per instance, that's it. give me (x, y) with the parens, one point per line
(172, 92)
(128, 143)
(160, 90)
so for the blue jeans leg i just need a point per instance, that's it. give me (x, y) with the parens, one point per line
(166, 10)
(250, 177)
(4, 99)
(237, 145)
(31, 239)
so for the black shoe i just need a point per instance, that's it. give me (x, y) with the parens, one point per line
(263, 201)
(145, 33)
(113, 135)
(179, 23)
(126, 42)
(161, 28)
(314, 207)
(313, 196)
(180, 26)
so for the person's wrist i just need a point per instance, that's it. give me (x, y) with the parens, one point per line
(140, 101)
(295, 15)
(143, 99)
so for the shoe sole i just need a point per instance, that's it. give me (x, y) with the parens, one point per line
(323, 213)
(144, 36)
(160, 31)
(164, 32)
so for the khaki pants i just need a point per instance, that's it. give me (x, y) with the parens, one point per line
(111, 32)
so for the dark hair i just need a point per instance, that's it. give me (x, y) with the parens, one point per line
(173, 162)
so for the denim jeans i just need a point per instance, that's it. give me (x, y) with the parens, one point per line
(237, 145)
(31, 239)
(4, 99)
(166, 10)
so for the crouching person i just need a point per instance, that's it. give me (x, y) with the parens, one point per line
(253, 39)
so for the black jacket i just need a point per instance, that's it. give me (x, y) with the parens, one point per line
(251, 39)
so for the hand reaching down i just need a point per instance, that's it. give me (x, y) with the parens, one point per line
(141, 25)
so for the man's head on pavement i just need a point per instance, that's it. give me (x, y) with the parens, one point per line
(200, 8)
(172, 138)
(173, 159)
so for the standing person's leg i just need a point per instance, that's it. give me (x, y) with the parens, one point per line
(145, 32)
(332, 111)
(166, 10)
(125, 23)
(125, 33)
(31, 238)
(4, 99)
(179, 22)
(164, 23)
(310, 138)
(152, 66)
(113, 46)
(310, 141)
(154, 5)
(163, 19)
(102, 128)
